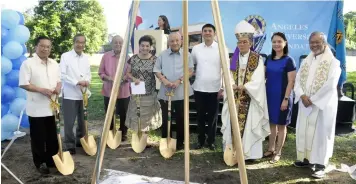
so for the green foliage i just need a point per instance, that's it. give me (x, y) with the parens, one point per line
(350, 26)
(62, 20)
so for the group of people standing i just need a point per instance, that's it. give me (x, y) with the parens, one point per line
(263, 92)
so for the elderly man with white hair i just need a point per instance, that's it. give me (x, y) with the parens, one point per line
(169, 70)
(248, 79)
(315, 90)
(107, 71)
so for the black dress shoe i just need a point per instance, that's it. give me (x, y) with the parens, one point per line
(198, 146)
(71, 151)
(43, 169)
(212, 147)
(124, 138)
(180, 146)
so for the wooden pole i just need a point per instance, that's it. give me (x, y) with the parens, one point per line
(186, 90)
(114, 92)
(229, 92)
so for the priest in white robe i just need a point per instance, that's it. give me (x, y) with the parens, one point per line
(248, 79)
(316, 91)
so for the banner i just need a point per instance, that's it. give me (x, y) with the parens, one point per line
(296, 19)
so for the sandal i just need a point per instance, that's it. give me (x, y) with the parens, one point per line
(268, 154)
(275, 158)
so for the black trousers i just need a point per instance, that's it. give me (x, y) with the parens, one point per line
(178, 108)
(121, 109)
(207, 108)
(44, 142)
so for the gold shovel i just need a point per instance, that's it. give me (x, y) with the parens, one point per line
(230, 155)
(230, 158)
(114, 137)
(167, 146)
(63, 160)
(139, 138)
(88, 141)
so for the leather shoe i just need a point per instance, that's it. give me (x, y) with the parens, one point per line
(71, 151)
(180, 146)
(198, 146)
(212, 147)
(43, 169)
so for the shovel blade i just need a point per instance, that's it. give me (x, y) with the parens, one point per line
(167, 147)
(65, 165)
(89, 146)
(138, 144)
(230, 156)
(114, 140)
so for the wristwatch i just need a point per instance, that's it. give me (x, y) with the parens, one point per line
(181, 81)
(286, 98)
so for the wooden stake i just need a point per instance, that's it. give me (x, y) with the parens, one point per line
(229, 92)
(114, 93)
(186, 90)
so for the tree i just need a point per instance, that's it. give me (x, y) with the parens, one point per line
(350, 26)
(62, 20)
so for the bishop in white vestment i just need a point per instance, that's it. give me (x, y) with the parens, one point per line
(316, 91)
(248, 79)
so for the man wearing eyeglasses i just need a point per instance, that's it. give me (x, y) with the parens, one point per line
(107, 71)
(315, 90)
(40, 77)
(76, 76)
(248, 79)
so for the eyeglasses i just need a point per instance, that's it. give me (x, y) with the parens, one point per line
(242, 42)
(45, 47)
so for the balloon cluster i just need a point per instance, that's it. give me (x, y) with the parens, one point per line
(14, 35)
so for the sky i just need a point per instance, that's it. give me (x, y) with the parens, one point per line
(116, 11)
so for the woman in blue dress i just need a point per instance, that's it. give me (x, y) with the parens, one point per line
(280, 77)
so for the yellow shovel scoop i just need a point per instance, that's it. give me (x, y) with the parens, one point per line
(168, 146)
(88, 141)
(230, 158)
(139, 138)
(114, 137)
(63, 160)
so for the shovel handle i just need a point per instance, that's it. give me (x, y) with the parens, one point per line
(169, 117)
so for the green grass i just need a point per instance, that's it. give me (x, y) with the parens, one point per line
(96, 101)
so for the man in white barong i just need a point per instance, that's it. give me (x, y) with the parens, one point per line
(248, 78)
(315, 90)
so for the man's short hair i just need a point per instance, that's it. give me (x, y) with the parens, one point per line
(321, 34)
(38, 39)
(208, 25)
(78, 35)
(116, 36)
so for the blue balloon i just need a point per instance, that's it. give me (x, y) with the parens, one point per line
(4, 35)
(20, 93)
(9, 18)
(22, 18)
(24, 49)
(7, 94)
(4, 109)
(3, 80)
(20, 34)
(24, 121)
(12, 50)
(6, 65)
(9, 123)
(16, 63)
(12, 78)
(17, 106)
(6, 135)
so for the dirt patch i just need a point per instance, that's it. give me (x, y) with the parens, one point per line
(205, 167)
